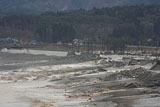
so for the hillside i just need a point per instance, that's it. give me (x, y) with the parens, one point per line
(113, 26)
(39, 6)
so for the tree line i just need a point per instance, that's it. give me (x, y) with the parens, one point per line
(117, 26)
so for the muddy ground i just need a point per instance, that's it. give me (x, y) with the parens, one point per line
(78, 81)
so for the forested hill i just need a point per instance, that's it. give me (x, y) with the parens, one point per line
(114, 26)
(39, 6)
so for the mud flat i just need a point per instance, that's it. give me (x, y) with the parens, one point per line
(35, 52)
(78, 81)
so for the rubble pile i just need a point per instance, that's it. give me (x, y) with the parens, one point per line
(143, 77)
(150, 79)
(125, 74)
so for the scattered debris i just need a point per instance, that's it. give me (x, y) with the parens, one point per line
(55, 83)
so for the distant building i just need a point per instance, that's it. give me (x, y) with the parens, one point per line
(33, 42)
(3, 40)
(15, 40)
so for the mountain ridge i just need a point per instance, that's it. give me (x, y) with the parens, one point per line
(40, 6)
